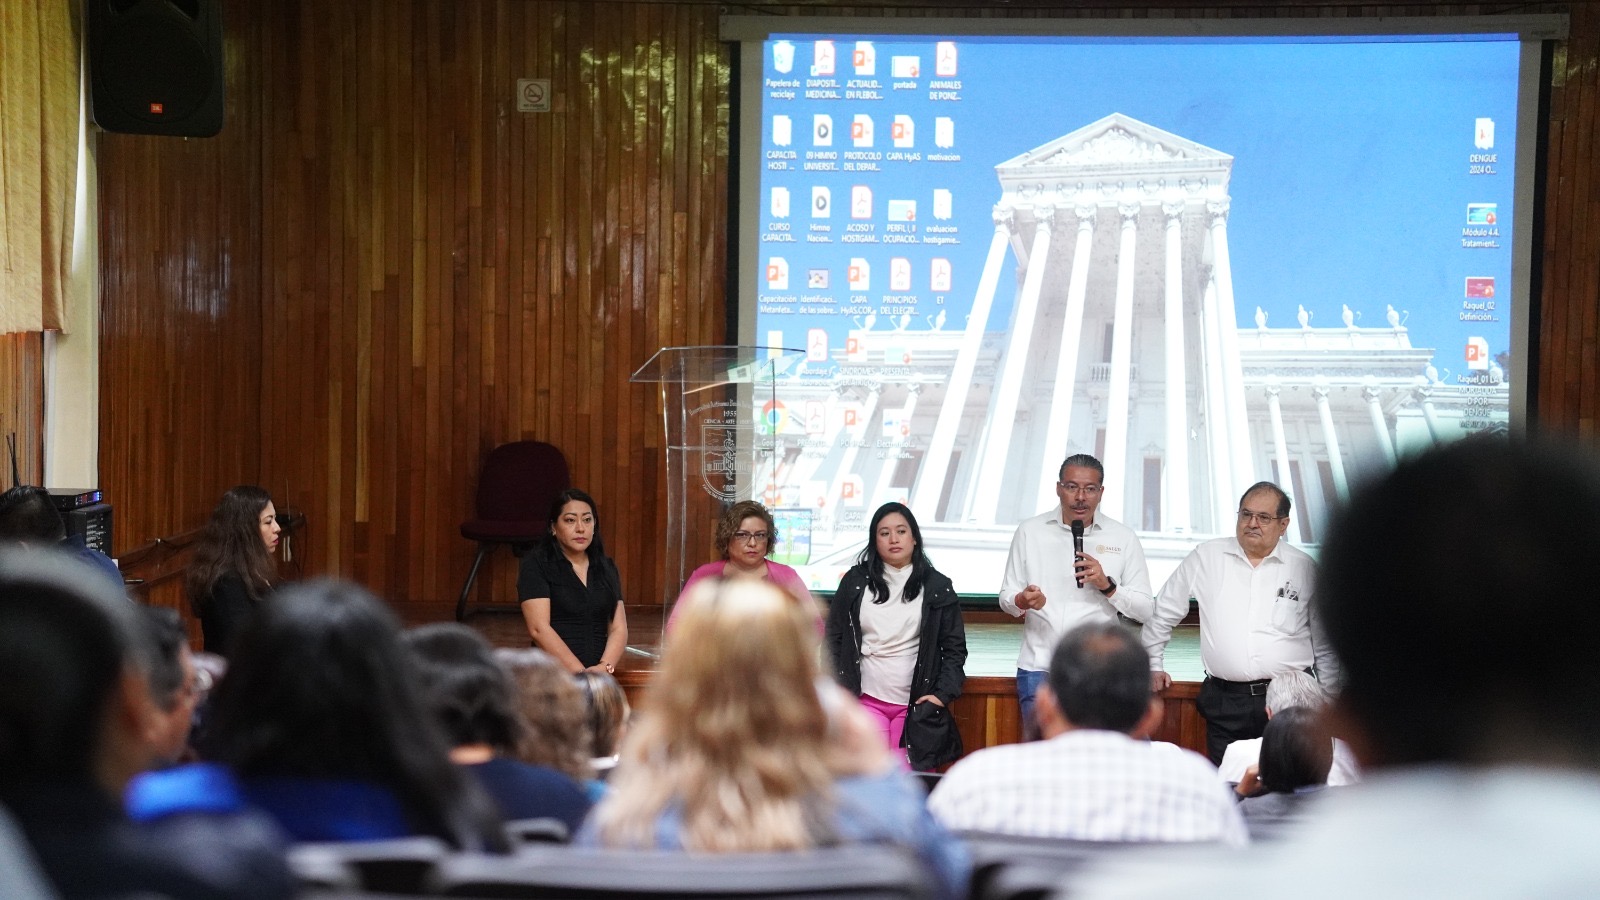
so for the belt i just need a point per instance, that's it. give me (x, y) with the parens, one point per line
(1253, 688)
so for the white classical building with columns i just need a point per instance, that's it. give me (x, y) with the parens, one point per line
(1123, 341)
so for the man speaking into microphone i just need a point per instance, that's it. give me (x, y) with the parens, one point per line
(1068, 567)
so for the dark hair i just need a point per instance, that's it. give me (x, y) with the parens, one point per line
(320, 687)
(1268, 487)
(470, 693)
(165, 638)
(231, 545)
(728, 524)
(1100, 675)
(1296, 751)
(920, 567)
(65, 637)
(549, 549)
(28, 514)
(1480, 550)
(1084, 460)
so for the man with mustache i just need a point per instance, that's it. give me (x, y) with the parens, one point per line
(1054, 589)
(1257, 618)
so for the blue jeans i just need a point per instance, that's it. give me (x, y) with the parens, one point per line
(1028, 682)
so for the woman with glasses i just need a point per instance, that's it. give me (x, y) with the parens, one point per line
(745, 538)
(897, 641)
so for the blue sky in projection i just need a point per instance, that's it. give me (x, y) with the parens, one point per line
(1351, 177)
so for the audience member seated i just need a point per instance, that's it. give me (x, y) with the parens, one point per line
(1296, 755)
(1458, 591)
(321, 719)
(473, 700)
(174, 684)
(1292, 688)
(75, 716)
(746, 746)
(233, 570)
(607, 723)
(29, 517)
(1091, 779)
(551, 706)
(746, 536)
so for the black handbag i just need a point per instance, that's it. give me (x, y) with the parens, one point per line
(931, 736)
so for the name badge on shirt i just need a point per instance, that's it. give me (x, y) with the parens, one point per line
(1102, 549)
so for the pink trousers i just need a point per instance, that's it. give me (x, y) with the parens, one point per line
(891, 721)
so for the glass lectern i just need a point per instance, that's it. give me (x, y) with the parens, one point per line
(722, 413)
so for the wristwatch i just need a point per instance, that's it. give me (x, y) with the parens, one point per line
(1109, 588)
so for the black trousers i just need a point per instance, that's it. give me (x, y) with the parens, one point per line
(1234, 711)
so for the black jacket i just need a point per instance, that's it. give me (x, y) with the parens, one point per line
(941, 654)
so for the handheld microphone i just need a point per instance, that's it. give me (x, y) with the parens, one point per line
(1077, 547)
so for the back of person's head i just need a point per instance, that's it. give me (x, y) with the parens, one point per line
(1465, 578)
(1296, 751)
(733, 734)
(28, 515)
(321, 687)
(172, 681)
(608, 710)
(1100, 675)
(231, 544)
(470, 693)
(67, 645)
(555, 732)
(1295, 687)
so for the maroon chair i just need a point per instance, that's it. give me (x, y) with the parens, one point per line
(516, 486)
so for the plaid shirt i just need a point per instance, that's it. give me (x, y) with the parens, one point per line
(1091, 786)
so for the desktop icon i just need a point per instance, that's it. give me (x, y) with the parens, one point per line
(781, 130)
(817, 345)
(905, 66)
(860, 202)
(899, 274)
(1477, 354)
(903, 131)
(940, 276)
(902, 210)
(859, 274)
(1483, 213)
(865, 58)
(822, 58)
(944, 59)
(944, 132)
(861, 130)
(777, 273)
(783, 56)
(1483, 134)
(817, 279)
(821, 202)
(780, 203)
(822, 130)
(942, 202)
(1481, 287)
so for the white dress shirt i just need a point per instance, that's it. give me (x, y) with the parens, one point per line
(1090, 786)
(890, 635)
(1241, 755)
(1255, 621)
(1042, 554)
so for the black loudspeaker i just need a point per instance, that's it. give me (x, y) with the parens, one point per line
(155, 66)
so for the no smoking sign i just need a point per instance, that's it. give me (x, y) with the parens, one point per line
(533, 95)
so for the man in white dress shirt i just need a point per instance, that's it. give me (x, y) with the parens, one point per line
(1258, 617)
(1091, 779)
(1054, 589)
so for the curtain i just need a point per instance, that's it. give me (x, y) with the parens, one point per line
(39, 110)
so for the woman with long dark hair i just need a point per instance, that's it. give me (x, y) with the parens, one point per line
(321, 718)
(571, 592)
(233, 570)
(897, 640)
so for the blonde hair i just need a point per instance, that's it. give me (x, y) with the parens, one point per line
(734, 736)
(608, 710)
(552, 707)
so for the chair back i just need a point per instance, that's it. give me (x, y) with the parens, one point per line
(859, 871)
(538, 831)
(394, 865)
(519, 481)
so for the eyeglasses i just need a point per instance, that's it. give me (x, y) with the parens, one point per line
(1253, 518)
(1072, 487)
(750, 537)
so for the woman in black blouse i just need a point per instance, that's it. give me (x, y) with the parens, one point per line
(233, 569)
(571, 593)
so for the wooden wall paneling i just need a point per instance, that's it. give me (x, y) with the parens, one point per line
(430, 273)
(22, 402)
